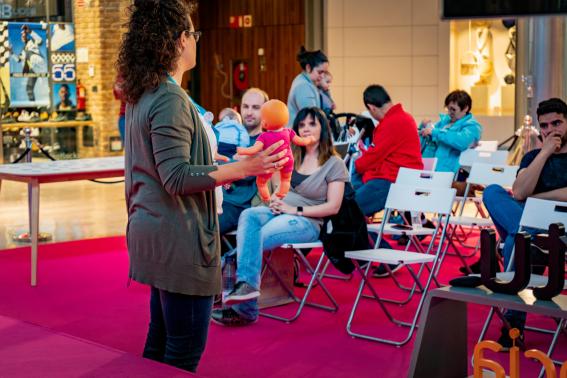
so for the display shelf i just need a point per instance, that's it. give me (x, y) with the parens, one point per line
(22, 125)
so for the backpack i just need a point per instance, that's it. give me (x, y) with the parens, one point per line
(344, 231)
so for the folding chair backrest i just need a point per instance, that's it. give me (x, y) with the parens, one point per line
(487, 145)
(426, 200)
(471, 156)
(539, 213)
(424, 178)
(342, 148)
(487, 174)
(429, 164)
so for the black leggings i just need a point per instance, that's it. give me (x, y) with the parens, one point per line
(178, 328)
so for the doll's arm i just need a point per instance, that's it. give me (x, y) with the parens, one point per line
(257, 147)
(303, 141)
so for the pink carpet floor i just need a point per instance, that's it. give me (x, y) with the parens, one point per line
(83, 292)
(33, 351)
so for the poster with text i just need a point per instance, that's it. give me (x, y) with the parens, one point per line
(29, 84)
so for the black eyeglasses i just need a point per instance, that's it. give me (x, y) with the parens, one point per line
(195, 34)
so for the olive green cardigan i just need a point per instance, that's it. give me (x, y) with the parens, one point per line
(172, 233)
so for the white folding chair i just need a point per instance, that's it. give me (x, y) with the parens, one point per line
(471, 156)
(537, 214)
(487, 145)
(429, 164)
(408, 198)
(316, 277)
(476, 155)
(417, 179)
(481, 174)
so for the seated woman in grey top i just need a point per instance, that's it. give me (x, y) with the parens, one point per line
(318, 183)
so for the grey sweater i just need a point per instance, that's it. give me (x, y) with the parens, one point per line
(172, 234)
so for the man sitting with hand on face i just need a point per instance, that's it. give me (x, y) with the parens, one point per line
(542, 174)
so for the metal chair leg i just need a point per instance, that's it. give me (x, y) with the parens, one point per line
(552, 346)
(412, 326)
(324, 273)
(315, 277)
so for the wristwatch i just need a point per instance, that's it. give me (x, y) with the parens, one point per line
(299, 211)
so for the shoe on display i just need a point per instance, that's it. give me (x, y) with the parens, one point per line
(34, 117)
(8, 118)
(82, 116)
(44, 116)
(60, 117)
(24, 116)
(230, 318)
(242, 292)
(381, 272)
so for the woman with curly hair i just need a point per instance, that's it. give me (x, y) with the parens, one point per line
(172, 233)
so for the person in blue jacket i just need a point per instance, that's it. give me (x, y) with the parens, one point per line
(455, 132)
(304, 92)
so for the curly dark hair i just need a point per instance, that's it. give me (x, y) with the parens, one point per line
(149, 48)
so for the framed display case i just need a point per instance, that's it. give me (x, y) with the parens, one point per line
(483, 62)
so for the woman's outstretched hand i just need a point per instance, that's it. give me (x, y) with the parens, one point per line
(264, 162)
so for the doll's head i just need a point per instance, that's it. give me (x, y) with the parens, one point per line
(274, 115)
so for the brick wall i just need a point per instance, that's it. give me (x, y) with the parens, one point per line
(98, 28)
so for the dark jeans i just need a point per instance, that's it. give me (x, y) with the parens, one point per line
(370, 197)
(228, 220)
(178, 328)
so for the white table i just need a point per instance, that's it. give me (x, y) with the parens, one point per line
(35, 174)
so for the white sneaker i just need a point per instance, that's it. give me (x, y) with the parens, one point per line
(24, 116)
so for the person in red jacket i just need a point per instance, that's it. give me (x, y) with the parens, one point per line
(395, 144)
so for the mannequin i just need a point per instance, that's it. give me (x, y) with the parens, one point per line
(484, 53)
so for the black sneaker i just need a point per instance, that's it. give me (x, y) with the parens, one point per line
(380, 271)
(506, 341)
(242, 292)
(230, 318)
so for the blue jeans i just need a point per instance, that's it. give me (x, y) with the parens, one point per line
(178, 328)
(370, 197)
(506, 213)
(259, 230)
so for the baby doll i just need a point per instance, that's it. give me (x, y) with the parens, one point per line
(230, 132)
(274, 115)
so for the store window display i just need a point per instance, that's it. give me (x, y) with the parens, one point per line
(485, 52)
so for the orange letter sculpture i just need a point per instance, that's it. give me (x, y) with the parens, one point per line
(481, 363)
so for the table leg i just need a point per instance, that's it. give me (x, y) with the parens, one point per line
(33, 197)
(440, 349)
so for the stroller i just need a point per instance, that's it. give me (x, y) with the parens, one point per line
(348, 144)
